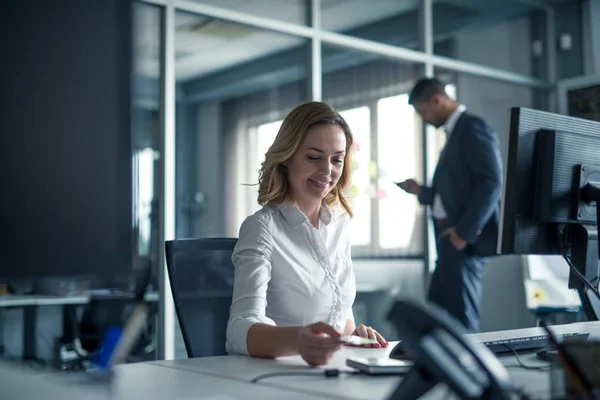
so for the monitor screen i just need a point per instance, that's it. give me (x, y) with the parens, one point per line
(584, 102)
(580, 97)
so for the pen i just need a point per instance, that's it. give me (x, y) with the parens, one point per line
(356, 340)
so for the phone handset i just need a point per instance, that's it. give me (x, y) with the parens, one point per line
(442, 353)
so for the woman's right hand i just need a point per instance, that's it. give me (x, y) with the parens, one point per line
(315, 347)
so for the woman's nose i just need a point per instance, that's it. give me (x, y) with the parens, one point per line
(326, 168)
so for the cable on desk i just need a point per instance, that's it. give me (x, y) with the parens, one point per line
(528, 367)
(328, 373)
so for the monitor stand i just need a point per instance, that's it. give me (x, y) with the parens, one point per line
(585, 247)
(585, 258)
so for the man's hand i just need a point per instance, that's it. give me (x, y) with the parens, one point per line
(410, 186)
(457, 242)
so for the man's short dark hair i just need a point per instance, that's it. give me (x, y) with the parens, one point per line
(425, 89)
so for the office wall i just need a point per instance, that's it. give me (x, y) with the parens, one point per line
(511, 51)
(188, 204)
(210, 173)
(568, 21)
(503, 304)
(591, 36)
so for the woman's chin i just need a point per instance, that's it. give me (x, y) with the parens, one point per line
(320, 193)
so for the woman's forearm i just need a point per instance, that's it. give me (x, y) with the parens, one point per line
(270, 341)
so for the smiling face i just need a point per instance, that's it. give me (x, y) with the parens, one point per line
(316, 167)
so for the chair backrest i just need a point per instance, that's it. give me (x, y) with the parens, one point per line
(201, 275)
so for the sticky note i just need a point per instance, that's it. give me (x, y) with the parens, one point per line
(352, 190)
(373, 169)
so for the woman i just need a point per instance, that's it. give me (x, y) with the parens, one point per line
(294, 283)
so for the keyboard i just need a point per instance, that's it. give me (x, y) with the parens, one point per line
(528, 342)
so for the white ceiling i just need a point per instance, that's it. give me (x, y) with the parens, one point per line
(205, 45)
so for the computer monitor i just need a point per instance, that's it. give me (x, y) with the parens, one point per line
(65, 152)
(551, 191)
(578, 97)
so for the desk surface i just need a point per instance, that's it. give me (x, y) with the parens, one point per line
(135, 381)
(10, 300)
(47, 300)
(228, 377)
(353, 387)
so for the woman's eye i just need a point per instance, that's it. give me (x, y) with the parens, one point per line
(317, 158)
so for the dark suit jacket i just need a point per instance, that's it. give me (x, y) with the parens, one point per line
(468, 179)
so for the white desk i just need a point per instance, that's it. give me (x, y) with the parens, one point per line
(135, 381)
(10, 300)
(228, 377)
(354, 387)
(47, 300)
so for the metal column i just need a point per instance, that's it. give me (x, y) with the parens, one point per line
(166, 311)
(426, 42)
(315, 73)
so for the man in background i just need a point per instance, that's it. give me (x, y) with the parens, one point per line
(465, 200)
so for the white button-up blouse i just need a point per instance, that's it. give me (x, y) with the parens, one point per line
(287, 272)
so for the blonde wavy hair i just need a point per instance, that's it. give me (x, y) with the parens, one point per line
(272, 178)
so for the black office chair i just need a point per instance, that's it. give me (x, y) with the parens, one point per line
(201, 275)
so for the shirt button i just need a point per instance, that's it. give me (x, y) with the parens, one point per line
(478, 231)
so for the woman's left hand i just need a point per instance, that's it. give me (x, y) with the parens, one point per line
(368, 332)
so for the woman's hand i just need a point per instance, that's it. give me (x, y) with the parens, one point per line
(368, 332)
(317, 343)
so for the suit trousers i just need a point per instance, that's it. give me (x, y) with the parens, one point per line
(456, 282)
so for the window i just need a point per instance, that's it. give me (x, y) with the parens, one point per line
(265, 136)
(398, 161)
(361, 187)
(261, 138)
(387, 150)
(143, 196)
